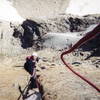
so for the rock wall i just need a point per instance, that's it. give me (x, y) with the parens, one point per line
(8, 44)
(69, 23)
(29, 35)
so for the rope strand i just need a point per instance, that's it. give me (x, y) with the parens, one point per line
(89, 36)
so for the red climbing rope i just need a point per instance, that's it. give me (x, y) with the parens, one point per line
(87, 37)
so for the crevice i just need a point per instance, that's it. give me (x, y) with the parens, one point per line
(28, 33)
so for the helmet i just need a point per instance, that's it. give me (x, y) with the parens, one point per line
(35, 54)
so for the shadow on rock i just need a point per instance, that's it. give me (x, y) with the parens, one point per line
(25, 93)
(93, 46)
(28, 33)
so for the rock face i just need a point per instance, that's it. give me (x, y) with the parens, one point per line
(28, 33)
(70, 23)
(35, 30)
(14, 39)
(8, 44)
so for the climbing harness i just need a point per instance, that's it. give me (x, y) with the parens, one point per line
(83, 40)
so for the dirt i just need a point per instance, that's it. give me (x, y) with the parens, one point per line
(10, 78)
(64, 84)
(57, 81)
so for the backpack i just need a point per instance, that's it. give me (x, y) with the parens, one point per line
(29, 66)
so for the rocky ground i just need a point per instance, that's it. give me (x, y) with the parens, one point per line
(57, 81)
(17, 42)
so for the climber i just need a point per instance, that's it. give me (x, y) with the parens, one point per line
(30, 67)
